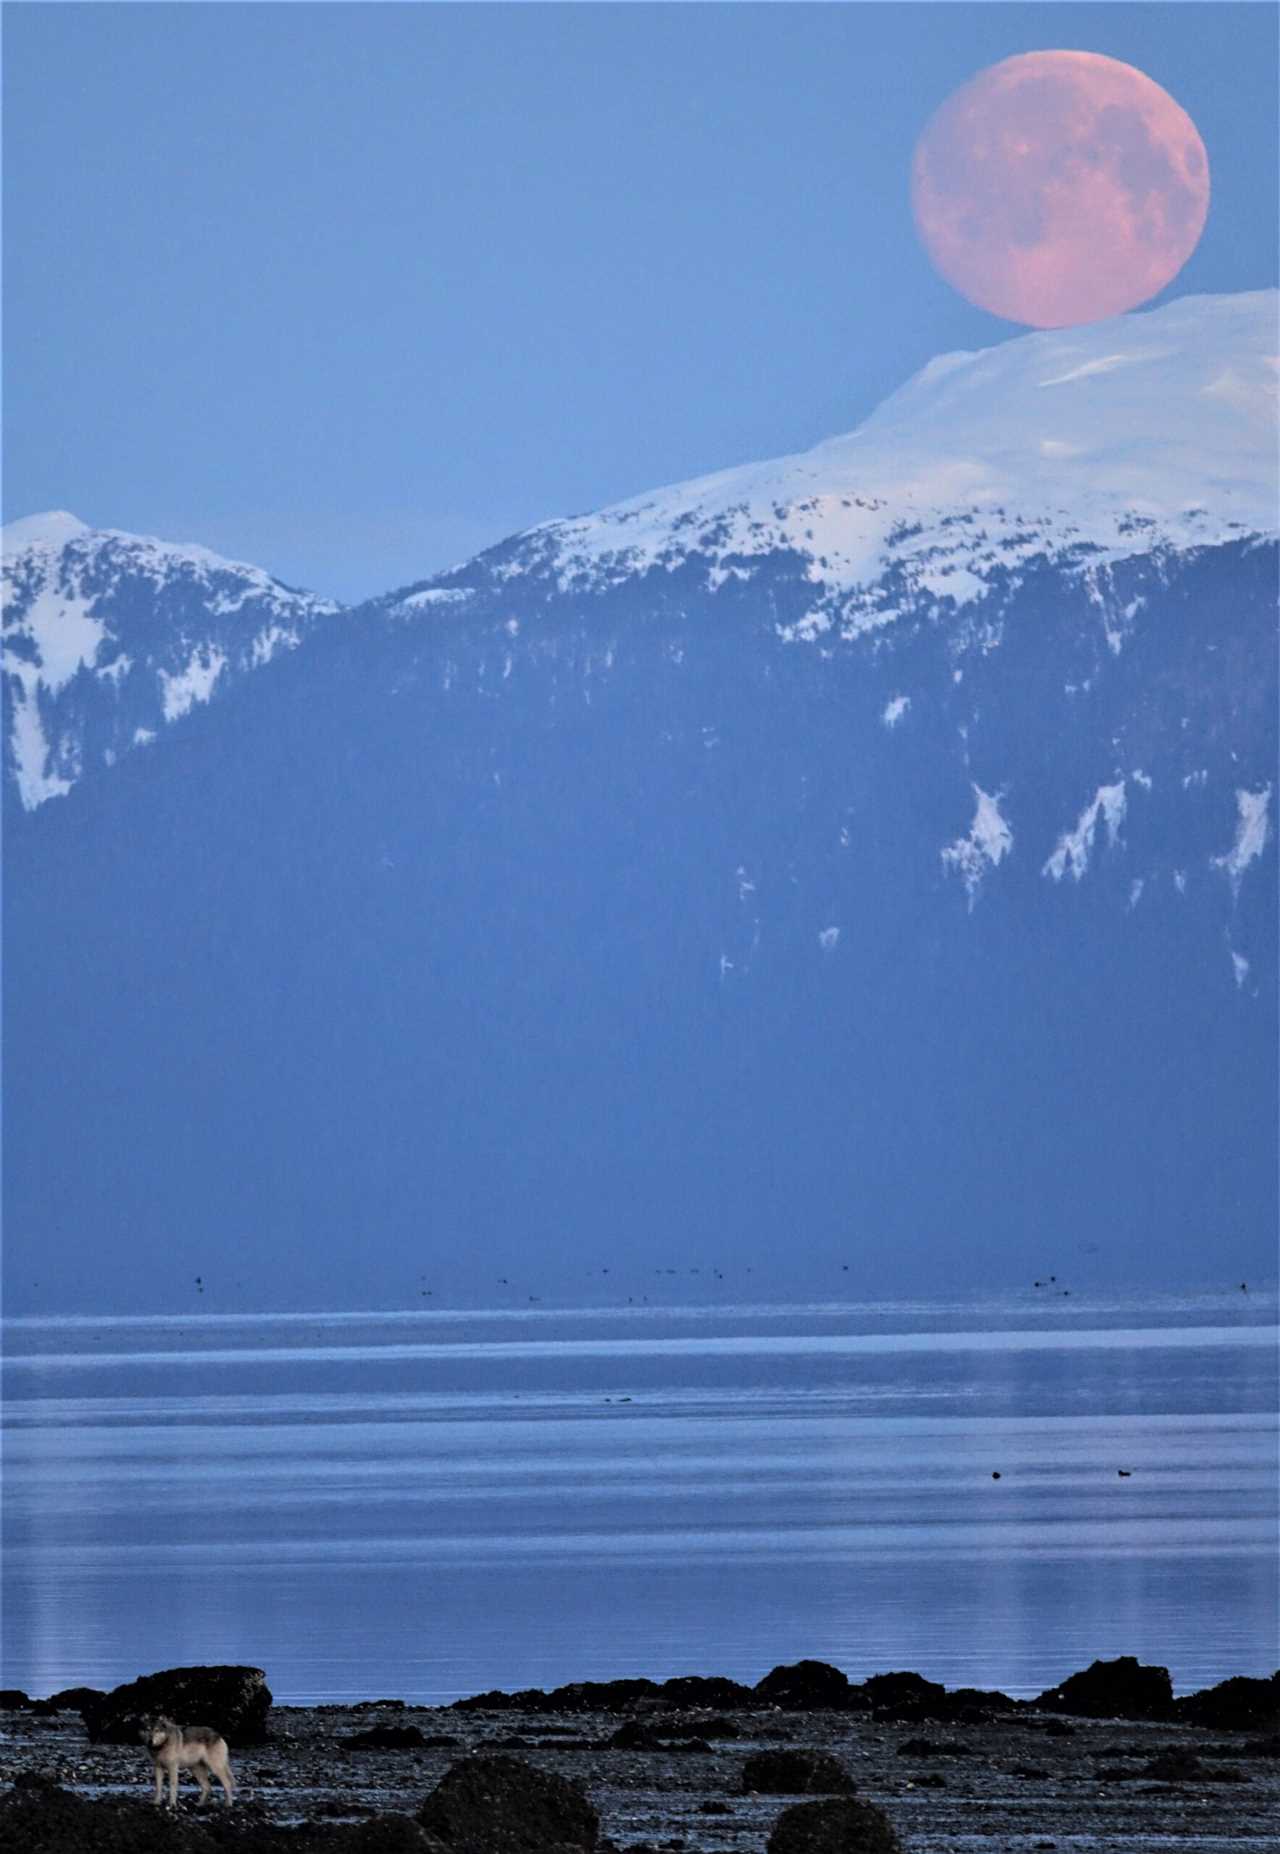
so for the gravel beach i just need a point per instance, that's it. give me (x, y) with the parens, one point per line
(983, 1779)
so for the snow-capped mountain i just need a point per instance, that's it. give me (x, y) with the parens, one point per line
(782, 868)
(1086, 446)
(108, 637)
(1092, 471)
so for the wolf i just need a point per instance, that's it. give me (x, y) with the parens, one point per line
(196, 1748)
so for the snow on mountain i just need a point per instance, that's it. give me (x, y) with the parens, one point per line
(575, 877)
(1087, 445)
(109, 637)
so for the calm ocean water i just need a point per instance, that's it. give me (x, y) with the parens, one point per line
(426, 1505)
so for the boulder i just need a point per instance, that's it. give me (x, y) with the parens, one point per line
(975, 1705)
(1120, 1689)
(600, 1695)
(804, 1686)
(842, 1825)
(795, 1773)
(699, 1726)
(381, 1834)
(710, 1690)
(528, 1699)
(502, 1805)
(38, 1816)
(654, 1735)
(905, 1697)
(233, 1700)
(1236, 1705)
(635, 1735)
(70, 1699)
(1173, 1764)
(386, 1738)
(13, 1699)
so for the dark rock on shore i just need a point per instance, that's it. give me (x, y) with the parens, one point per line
(312, 1792)
(805, 1686)
(381, 1834)
(679, 1693)
(1120, 1689)
(502, 1805)
(38, 1815)
(1236, 1705)
(700, 1727)
(900, 1698)
(795, 1773)
(843, 1825)
(386, 1738)
(710, 1690)
(931, 1747)
(975, 1705)
(233, 1700)
(13, 1699)
(70, 1699)
(577, 1696)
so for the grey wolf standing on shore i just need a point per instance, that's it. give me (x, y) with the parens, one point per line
(197, 1749)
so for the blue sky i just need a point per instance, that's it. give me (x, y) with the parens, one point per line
(351, 291)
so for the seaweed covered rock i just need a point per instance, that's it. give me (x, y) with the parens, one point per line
(804, 1686)
(1236, 1705)
(795, 1773)
(233, 1700)
(841, 1825)
(1120, 1689)
(502, 1805)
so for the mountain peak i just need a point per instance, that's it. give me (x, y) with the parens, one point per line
(52, 529)
(110, 636)
(1086, 445)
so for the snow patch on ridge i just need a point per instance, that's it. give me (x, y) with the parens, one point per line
(1075, 846)
(191, 685)
(31, 751)
(1252, 830)
(989, 841)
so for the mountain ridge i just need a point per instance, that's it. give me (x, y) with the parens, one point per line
(519, 930)
(960, 478)
(110, 636)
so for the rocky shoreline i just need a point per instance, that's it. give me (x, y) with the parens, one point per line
(805, 1762)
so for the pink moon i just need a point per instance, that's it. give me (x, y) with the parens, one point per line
(1060, 187)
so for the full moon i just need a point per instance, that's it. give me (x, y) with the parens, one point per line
(1060, 187)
